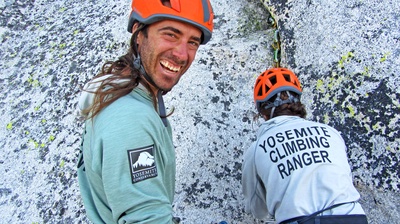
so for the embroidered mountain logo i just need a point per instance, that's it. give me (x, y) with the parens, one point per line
(142, 163)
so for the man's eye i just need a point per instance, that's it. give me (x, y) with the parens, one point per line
(194, 43)
(170, 34)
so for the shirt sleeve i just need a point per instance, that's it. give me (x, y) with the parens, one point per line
(145, 201)
(253, 189)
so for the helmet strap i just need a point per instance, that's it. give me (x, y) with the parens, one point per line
(137, 64)
(272, 112)
(161, 108)
(278, 101)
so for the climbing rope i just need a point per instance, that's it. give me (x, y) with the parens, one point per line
(276, 45)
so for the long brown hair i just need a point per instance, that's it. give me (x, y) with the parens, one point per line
(292, 109)
(122, 78)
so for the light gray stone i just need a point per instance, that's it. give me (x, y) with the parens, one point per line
(345, 52)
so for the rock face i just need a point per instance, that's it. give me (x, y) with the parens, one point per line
(346, 54)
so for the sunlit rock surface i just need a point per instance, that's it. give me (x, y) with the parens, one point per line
(346, 54)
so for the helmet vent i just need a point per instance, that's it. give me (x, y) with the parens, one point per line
(166, 3)
(273, 80)
(287, 77)
(260, 92)
(173, 4)
(266, 89)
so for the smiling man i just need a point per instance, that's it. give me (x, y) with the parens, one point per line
(126, 169)
(165, 66)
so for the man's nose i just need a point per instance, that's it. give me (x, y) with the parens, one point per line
(181, 51)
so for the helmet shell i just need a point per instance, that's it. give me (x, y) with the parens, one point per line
(272, 81)
(195, 12)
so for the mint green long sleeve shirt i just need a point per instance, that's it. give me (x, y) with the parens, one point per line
(127, 169)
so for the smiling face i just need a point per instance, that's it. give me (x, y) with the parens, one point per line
(168, 51)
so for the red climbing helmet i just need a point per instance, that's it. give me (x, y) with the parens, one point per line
(274, 81)
(196, 12)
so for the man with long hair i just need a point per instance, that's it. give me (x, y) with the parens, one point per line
(126, 169)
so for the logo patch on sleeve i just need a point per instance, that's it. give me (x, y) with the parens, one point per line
(142, 163)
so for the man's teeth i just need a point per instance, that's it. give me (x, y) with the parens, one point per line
(169, 66)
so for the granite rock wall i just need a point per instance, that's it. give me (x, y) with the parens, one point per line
(345, 52)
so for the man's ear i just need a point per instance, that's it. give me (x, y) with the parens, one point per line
(134, 27)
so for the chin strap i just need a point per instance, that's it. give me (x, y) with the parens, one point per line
(137, 64)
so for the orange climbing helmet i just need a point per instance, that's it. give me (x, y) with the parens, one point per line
(273, 81)
(196, 12)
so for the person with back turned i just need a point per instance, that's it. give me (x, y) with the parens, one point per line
(297, 170)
